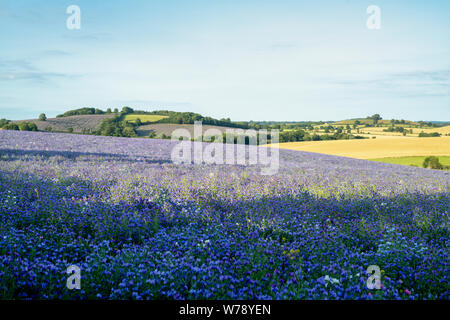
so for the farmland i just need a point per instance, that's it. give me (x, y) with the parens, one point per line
(77, 123)
(140, 227)
(144, 117)
(376, 148)
(167, 129)
(412, 161)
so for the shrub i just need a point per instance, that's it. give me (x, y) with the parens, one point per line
(81, 111)
(127, 110)
(432, 162)
(42, 117)
(27, 126)
(70, 130)
(10, 126)
(3, 122)
(427, 135)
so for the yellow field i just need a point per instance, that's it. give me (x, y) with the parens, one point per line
(144, 117)
(376, 148)
(416, 131)
(442, 130)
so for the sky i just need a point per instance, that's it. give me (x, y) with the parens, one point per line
(246, 60)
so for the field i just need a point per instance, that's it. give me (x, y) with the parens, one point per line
(144, 117)
(381, 147)
(168, 128)
(379, 131)
(140, 227)
(370, 122)
(412, 161)
(77, 123)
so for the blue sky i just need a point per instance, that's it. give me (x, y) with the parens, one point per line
(247, 60)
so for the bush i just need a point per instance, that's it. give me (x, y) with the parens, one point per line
(70, 130)
(10, 126)
(81, 111)
(128, 131)
(427, 135)
(3, 122)
(127, 110)
(432, 162)
(42, 117)
(27, 126)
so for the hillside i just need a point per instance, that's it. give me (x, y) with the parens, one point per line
(365, 121)
(77, 123)
(167, 128)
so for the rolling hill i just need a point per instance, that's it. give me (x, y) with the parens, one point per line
(77, 123)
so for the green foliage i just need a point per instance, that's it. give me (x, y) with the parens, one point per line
(81, 111)
(3, 122)
(10, 126)
(116, 127)
(190, 118)
(376, 117)
(42, 117)
(428, 135)
(301, 135)
(70, 130)
(432, 162)
(27, 126)
(395, 129)
(126, 110)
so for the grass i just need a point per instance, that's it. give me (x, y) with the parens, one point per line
(144, 117)
(376, 148)
(412, 161)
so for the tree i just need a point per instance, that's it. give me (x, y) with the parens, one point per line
(3, 122)
(432, 162)
(116, 110)
(138, 122)
(42, 117)
(10, 126)
(108, 110)
(376, 117)
(127, 110)
(27, 126)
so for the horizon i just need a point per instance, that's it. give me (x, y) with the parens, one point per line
(259, 61)
(251, 120)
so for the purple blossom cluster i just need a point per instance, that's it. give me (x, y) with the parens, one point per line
(141, 227)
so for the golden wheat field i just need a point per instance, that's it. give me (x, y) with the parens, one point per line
(376, 148)
(416, 131)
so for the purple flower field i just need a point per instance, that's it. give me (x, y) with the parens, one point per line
(141, 227)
